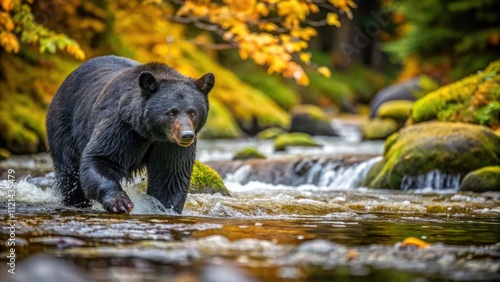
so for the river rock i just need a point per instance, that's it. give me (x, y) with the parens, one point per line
(205, 180)
(294, 139)
(4, 154)
(482, 180)
(473, 99)
(270, 133)
(397, 110)
(312, 120)
(454, 148)
(248, 153)
(378, 128)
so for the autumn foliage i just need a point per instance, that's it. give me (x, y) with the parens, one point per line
(270, 32)
(17, 25)
(274, 33)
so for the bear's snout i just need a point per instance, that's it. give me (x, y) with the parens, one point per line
(182, 133)
(187, 138)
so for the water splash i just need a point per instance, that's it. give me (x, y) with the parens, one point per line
(29, 193)
(346, 177)
(434, 179)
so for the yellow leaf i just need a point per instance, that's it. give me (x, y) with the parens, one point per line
(262, 9)
(7, 5)
(314, 8)
(333, 19)
(305, 57)
(324, 71)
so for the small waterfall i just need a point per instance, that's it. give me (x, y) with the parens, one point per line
(324, 172)
(433, 179)
(347, 177)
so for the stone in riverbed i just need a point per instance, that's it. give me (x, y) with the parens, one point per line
(454, 148)
(312, 120)
(205, 180)
(270, 133)
(378, 128)
(248, 153)
(482, 180)
(294, 139)
(4, 154)
(398, 110)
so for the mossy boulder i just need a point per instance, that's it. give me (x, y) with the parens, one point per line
(474, 99)
(378, 128)
(248, 153)
(4, 154)
(271, 133)
(482, 180)
(294, 139)
(205, 180)
(312, 120)
(454, 148)
(398, 110)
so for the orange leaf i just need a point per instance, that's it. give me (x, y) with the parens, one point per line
(412, 241)
(324, 71)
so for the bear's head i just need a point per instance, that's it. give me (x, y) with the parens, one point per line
(174, 107)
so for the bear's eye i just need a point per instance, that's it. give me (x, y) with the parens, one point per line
(192, 114)
(172, 113)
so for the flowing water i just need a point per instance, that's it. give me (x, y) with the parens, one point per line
(325, 228)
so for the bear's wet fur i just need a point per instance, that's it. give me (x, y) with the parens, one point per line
(112, 117)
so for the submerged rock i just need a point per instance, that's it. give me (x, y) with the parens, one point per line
(271, 133)
(294, 139)
(42, 268)
(312, 120)
(454, 148)
(378, 128)
(4, 154)
(205, 180)
(482, 180)
(398, 110)
(248, 153)
(404, 90)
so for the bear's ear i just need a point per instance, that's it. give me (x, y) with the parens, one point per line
(206, 82)
(148, 83)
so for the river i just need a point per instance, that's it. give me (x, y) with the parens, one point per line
(325, 229)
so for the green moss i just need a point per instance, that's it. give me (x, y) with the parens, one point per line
(426, 85)
(205, 180)
(312, 111)
(4, 154)
(379, 128)
(482, 180)
(333, 88)
(273, 87)
(220, 123)
(398, 110)
(248, 153)
(25, 97)
(454, 148)
(270, 133)
(474, 99)
(294, 139)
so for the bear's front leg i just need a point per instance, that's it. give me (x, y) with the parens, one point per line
(100, 181)
(169, 173)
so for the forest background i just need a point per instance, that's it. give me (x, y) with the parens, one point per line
(268, 56)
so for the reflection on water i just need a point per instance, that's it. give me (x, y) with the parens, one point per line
(262, 232)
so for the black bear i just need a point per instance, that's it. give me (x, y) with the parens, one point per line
(112, 117)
